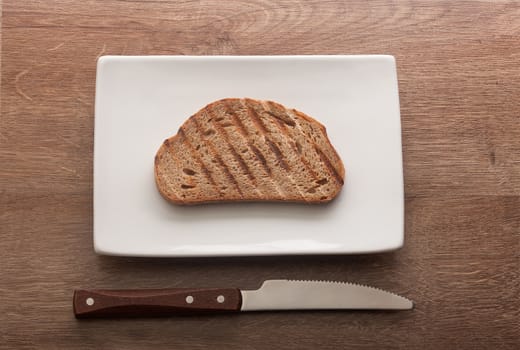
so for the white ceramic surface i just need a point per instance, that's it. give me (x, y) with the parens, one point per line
(140, 101)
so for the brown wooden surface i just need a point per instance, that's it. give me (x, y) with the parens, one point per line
(459, 74)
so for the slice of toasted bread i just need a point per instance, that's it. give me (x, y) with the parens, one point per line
(248, 150)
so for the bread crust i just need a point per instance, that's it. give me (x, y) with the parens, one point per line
(248, 150)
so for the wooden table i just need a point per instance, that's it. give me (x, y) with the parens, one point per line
(459, 75)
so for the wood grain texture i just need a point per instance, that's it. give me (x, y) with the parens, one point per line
(458, 69)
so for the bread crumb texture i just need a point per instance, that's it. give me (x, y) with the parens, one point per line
(248, 150)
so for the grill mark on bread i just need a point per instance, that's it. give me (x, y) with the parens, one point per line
(261, 126)
(228, 173)
(216, 155)
(338, 175)
(261, 158)
(329, 165)
(274, 148)
(239, 125)
(199, 160)
(264, 186)
(282, 127)
(236, 155)
(203, 166)
(243, 165)
(255, 118)
(257, 121)
(243, 130)
(297, 150)
(279, 155)
(251, 115)
(170, 189)
(235, 120)
(271, 117)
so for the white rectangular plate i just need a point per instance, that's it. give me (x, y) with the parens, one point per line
(140, 101)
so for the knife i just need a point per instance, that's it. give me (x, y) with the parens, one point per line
(272, 295)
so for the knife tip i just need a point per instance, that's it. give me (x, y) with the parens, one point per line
(408, 304)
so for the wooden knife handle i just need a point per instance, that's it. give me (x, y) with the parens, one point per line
(154, 302)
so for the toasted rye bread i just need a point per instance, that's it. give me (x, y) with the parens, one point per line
(248, 150)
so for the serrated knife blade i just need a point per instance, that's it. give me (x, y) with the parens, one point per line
(320, 295)
(272, 295)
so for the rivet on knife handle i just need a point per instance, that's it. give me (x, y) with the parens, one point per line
(154, 302)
